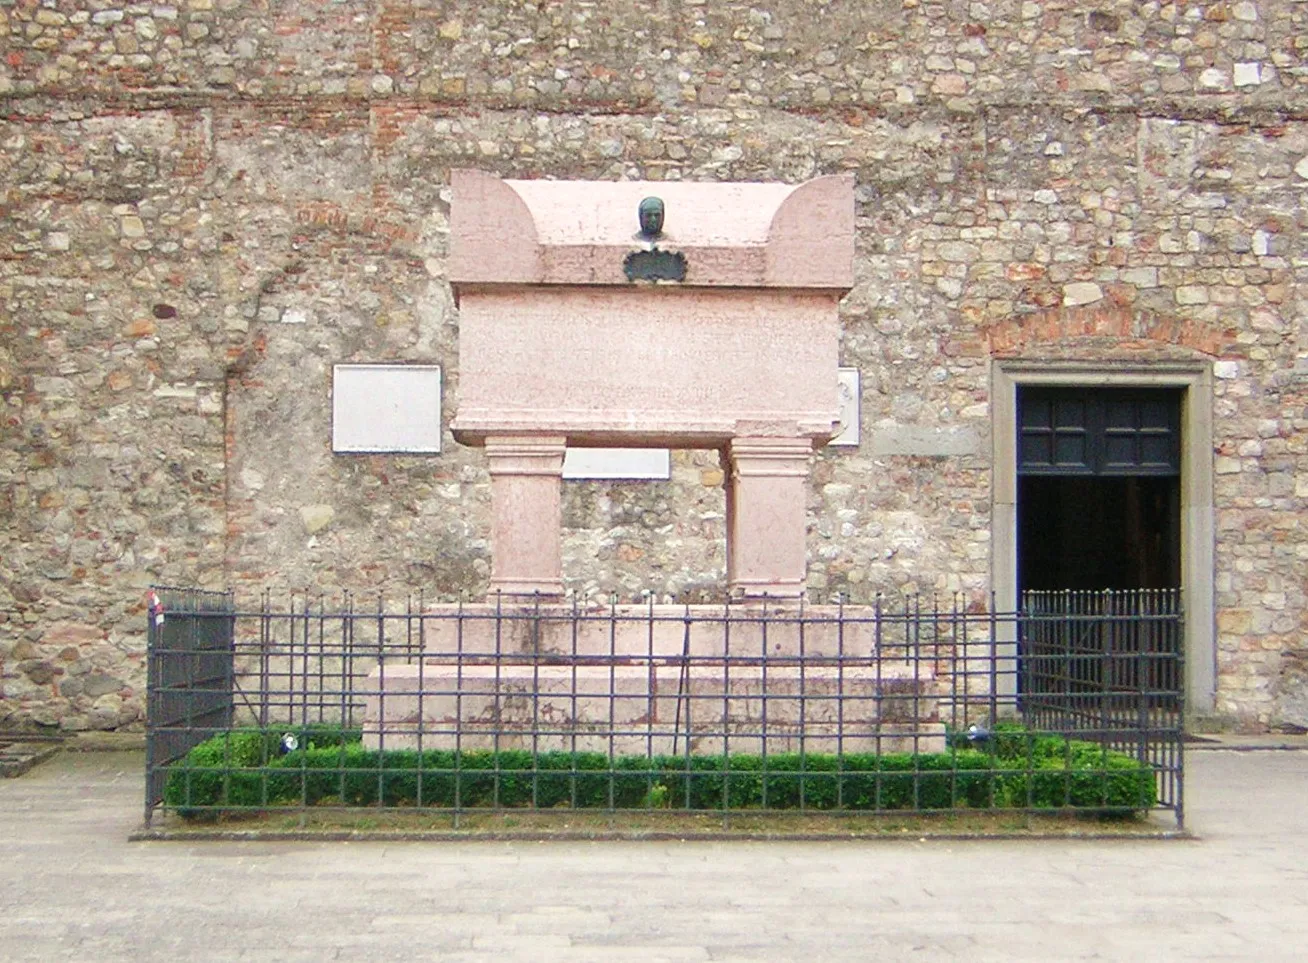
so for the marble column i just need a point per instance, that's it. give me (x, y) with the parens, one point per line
(767, 547)
(527, 513)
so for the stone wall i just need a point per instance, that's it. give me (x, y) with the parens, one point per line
(207, 205)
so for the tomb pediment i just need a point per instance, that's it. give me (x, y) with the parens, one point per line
(581, 232)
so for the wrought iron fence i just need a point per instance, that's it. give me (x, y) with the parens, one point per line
(1073, 703)
(1107, 659)
(190, 676)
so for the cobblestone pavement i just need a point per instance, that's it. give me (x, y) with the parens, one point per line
(74, 888)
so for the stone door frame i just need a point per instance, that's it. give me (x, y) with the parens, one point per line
(1197, 522)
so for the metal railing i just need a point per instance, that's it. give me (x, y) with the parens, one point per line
(1110, 665)
(1072, 703)
(190, 675)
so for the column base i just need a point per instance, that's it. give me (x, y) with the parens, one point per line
(777, 588)
(536, 588)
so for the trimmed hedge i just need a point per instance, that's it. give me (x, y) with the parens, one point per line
(243, 769)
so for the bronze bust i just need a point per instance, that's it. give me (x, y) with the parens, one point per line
(651, 217)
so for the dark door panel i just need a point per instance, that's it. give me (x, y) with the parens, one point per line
(1099, 431)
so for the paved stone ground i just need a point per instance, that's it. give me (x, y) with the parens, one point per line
(72, 887)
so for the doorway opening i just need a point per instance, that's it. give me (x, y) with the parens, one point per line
(1099, 533)
(1099, 488)
(1044, 452)
(1099, 508)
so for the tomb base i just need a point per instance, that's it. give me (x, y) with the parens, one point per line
(640, 680)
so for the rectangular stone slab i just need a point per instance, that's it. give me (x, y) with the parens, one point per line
(664, 631)
(637, 367)
(653, 708)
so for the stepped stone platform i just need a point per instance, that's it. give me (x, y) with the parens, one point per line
(20, 751)
(656, 679)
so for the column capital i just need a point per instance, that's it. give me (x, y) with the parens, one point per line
(526, 454)
(769, 457)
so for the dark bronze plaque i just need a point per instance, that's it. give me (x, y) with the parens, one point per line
(655, 265)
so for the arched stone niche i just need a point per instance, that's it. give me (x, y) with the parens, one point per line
(559, 347)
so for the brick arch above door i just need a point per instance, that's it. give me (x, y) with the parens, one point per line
(1126, 329)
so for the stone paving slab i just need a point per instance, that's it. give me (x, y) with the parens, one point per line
(75, 888)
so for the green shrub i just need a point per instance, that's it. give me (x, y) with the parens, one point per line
(228, 770)
(244, 769)
(1089, 777)
(320, 735)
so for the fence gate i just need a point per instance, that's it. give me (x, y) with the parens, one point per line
(190, 684)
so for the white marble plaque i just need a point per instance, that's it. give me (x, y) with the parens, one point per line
(851, 396)
(892, 439)
(642, 463)
(386, 407)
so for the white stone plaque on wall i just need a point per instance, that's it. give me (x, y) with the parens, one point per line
(386, 407)
(851, 396)
(641, 463)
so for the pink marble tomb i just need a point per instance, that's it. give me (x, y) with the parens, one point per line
(558, 349)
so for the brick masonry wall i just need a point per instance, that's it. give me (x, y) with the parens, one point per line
(207, 205)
